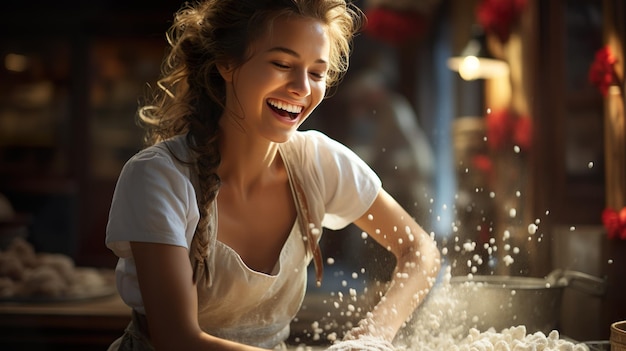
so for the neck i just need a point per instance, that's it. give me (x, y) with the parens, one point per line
(247, 162)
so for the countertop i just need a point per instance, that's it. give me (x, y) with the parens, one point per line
(88, 324)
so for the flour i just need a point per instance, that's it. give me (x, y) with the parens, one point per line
(363, 343)
(439, 325)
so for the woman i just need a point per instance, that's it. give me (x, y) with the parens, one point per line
(240, 78)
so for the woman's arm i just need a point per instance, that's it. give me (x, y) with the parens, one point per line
(170, 299)
(417, 266)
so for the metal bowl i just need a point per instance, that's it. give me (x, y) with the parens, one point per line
(505, 301)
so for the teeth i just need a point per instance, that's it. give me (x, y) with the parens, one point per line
(285, 106)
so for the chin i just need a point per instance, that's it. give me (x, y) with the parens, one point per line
(281, 135)
(282, 138)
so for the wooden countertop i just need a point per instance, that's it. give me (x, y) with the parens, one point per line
(70, 325)
(100, 306)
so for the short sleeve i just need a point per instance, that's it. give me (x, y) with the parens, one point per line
(153, 201)
(347, 184)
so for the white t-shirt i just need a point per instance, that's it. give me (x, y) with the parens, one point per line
(154, 201)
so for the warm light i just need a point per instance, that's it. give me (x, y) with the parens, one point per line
(472, 67)
(475, 62)
(469, 68)
(16, 62)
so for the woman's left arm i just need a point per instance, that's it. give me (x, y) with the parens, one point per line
(417, 266)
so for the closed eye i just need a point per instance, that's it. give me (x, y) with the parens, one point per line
(316, 75)
(280, 65)
(319, 76)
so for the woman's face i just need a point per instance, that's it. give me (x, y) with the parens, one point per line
(285, 79)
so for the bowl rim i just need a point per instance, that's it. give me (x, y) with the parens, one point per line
(507, 282)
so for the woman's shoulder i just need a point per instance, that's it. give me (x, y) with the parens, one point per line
(174, 148)
(170, 154)
(314, 152)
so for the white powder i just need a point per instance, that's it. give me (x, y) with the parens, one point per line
(439, 325)
(442, 322)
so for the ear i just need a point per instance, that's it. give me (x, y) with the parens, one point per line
(226, 71)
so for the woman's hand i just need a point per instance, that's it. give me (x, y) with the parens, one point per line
(363, 343)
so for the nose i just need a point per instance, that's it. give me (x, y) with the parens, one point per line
(299, 83)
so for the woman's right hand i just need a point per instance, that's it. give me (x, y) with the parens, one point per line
(362, 343)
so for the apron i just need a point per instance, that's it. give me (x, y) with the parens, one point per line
(257, 327)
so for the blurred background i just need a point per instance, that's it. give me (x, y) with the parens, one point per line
(524, 151)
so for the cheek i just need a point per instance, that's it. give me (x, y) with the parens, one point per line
(317, 96)
(318, 91)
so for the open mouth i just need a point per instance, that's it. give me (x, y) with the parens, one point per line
(284, 109)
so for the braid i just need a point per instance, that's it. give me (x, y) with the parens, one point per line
(207, 160)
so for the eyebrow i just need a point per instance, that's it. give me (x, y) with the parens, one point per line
(292, 53)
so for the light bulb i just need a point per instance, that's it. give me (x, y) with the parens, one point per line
(469, 68)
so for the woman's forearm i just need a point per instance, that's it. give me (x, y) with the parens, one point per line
(413, 278)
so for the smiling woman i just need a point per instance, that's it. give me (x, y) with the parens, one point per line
(223, 141)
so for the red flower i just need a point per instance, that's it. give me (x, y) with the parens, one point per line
(498, 16)
(601, 73)
(499, 126)
(523, 132)
(395, 27)
(483, 163)
(615, 223)
(507, 129)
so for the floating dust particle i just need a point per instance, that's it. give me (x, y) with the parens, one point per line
(469, 246)
(507, 235)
